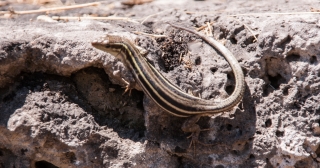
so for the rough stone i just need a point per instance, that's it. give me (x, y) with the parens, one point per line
(62, 101)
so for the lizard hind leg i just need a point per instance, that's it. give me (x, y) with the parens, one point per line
(129, 86)
(190, 125)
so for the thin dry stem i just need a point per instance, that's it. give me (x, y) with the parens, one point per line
(204, 26)
(254, 14)
(245, 25)
(51, 9)
(215, 12)
(284, 13)
(94, 18)
(152, 35)
(209, 29)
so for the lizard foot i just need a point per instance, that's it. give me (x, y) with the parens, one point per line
(129, 86)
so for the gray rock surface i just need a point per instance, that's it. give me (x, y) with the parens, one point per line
(62, 101)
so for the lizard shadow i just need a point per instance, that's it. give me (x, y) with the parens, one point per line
(229, 134)
(54, 98)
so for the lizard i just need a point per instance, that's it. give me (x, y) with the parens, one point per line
(165, 94)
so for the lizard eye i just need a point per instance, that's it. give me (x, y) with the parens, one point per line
(105, 41)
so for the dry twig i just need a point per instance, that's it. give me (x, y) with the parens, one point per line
(135, 2)
(152, 35)
(246, 26)
(94, 18)
(204, 26)
(51, 9)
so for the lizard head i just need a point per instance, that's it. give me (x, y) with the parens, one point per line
(111, 44)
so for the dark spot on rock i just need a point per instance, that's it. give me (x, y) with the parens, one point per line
(219, 166)
(229, 127)
(268, 123)
(279, 133)
(240, 132)
(178, 149)
(140, 103)
(250, 40)
(222, 127)
(23, 151)
(230, 89)
(112, 152)
(275, 81)
(285, 41)
(233, 40)
(9, 97)
(235, 152)
(198, 61)
(213, 69)
(42, 164)
(251, 139)
(71, 156)
(318, 151)
(286, 91)
(127, 164)
(293, 57)
(313, 60)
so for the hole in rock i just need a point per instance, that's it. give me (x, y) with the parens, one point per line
(198, 61)
(268, 123)
(279, 133)
(313, 60)
(293, 57)
(275, 81)
(213, 69)
(233, 40)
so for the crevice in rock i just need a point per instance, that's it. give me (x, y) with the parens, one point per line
(219, 166)
(43, 163)
(275, 81)
(249, 40)
(276, 74)
(285, 41)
